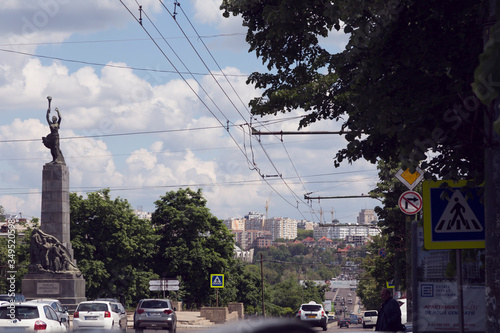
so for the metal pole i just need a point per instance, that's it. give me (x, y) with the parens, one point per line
(409, 285)
(262, 282)
(460, 291)
(414, 275)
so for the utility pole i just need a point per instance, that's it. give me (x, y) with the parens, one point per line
(262, 282)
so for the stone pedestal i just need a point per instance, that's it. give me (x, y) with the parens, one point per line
(55, 203)
(54, 281)
(68, 288)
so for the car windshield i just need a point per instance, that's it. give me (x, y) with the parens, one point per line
(93, 307)
(311, 307)
(370, 314)
(154, 304)
(21, 312)
(5, 298)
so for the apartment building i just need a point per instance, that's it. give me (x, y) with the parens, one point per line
(254, 230)
(366, 216)
(280, 227)
(342, 231)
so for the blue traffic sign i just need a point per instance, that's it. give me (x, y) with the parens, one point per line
(453, 215)
(216, 280)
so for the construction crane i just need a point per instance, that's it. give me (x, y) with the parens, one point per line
(321, 212)
(267, 204)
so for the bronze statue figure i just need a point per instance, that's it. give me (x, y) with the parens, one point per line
(48, 255)
(51, 141)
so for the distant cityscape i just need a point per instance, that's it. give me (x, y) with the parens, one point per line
(255, 230)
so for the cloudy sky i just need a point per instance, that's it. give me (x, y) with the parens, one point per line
(150, 109)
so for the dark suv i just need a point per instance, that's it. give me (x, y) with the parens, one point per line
(155, 314)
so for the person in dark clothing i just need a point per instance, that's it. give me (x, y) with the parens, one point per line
(389, 314)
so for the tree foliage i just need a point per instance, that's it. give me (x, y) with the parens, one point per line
(303, 234)
(112, 246)
(391, 220)
(242, 284)
(376, 271)
(15, 250)
(290, 294)
(193, 243)
(401, 87)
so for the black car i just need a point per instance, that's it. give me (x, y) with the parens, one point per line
(343, 323)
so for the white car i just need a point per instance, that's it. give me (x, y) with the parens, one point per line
(404, 313)
(30, 316)
(370, 318)
(99, 315)
(313, 314)
(61, 311)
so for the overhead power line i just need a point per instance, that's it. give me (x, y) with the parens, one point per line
(111, 65)
(234, 90)
(120, 40)
(252, 166)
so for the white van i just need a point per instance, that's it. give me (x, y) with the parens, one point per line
(370, 318)
(404, 313)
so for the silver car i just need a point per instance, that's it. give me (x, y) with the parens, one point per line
(155, 314)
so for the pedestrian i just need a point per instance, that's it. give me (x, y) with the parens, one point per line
(389, 314)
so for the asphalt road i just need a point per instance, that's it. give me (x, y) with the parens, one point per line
(225, 329)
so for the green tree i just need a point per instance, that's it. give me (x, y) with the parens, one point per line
(391, 220)
(298, 249)
(112, 246)
(401, 87)
(303, 234)
(376, 271)
(242, 284)
(288, 293)
(193, 243)
(14, 250)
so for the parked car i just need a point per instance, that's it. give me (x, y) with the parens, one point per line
(99, 315)
(370, 318)
(5, 298)
(61, 311)
(343, 323)
(155, 314)
(402, 306)
(313, 314)
(31, 316)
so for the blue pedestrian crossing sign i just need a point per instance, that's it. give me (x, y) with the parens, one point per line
(216, 280)
(453, 215)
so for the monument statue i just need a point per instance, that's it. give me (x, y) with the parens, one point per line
(53, 272)
(49, 255)
(51, 141)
